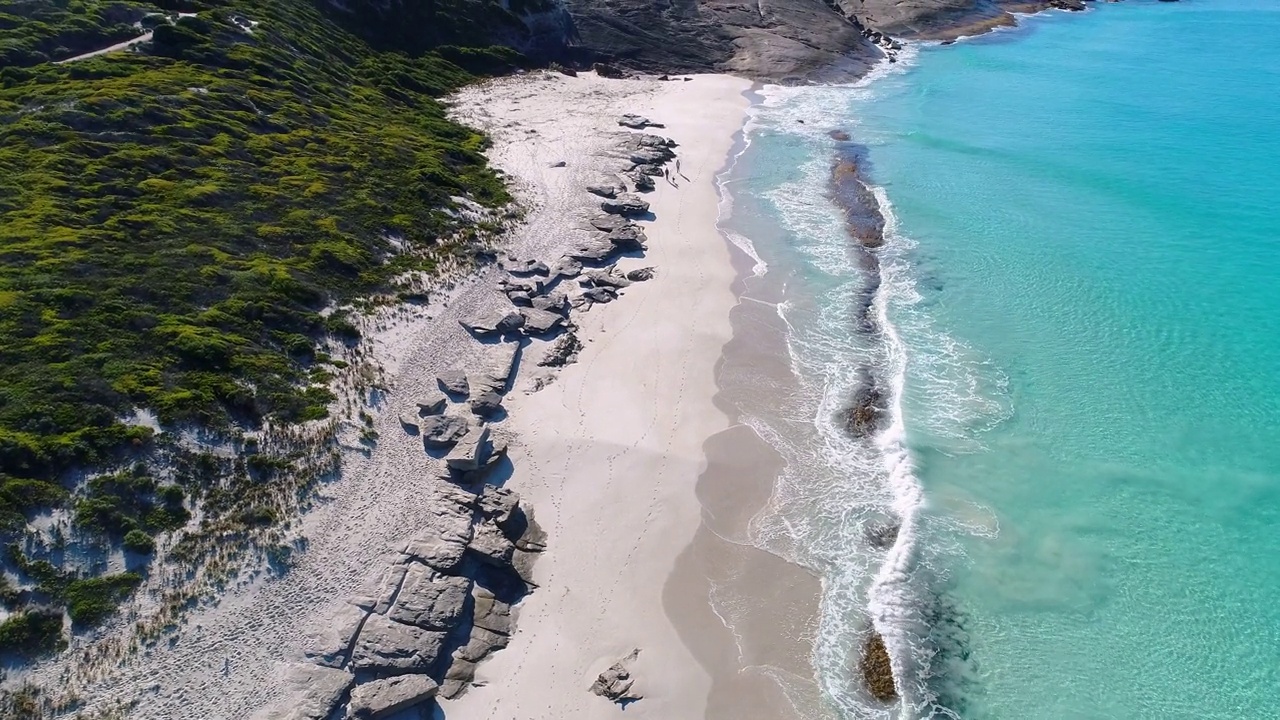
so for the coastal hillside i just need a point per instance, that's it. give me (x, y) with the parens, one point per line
(184, 231)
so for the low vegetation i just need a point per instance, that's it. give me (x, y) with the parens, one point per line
(178, 227)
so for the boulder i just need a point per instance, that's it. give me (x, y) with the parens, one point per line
(430, 600)
(491, 546)
(540, 322)
(564, 351)
(490, 613)
(653, 156)
(599, 294)
(607, 223)
(520, 299)
(442, 431)
(568, 267)
(377, 595)
(330, 640)
(525, 267)
(628, 237)
(486, 404)
(478, 476)
(626, 205)
(643, 182)
(556, 302)
(616, 683)
(433, 402)
(481, 644)
(633, 121)
(457, 678)
(606, 70)
(593, 250)
(604, 191)
(498, 370)
(383, 698)
(493, 323)
(499, 505)
(447, 529)
(308, 692)
(387, 646)
(453, 381)
(470, 450)
(605, 277)
(409, 423)
(640, 274)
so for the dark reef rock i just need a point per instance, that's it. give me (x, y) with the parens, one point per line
(839, 135)
(853, 194)
(877, 671)
(868, 409)
(881, 534)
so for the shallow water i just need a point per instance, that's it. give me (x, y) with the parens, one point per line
(1081, 301)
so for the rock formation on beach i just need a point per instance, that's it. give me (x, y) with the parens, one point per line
(877, 671)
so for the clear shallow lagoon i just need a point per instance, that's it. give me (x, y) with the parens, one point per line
(1082, 286)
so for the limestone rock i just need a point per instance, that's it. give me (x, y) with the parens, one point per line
(377, 596)
(600, 294)
(331, 639)
(430, 600)
(604, 191)
(626, 205)
(540, 322)
(628, 237)
(606, 277)
(642, 180)
(491, 545)
(490, 613)
(568, 268)
(525, 267)
(442, 431)
(457, 678)
(606, 70)
(493, 323)
(607, 223)
(556, 302)
(481, 644)
(454, 382)
(640, 274)
(447, 529)
(499, 505)
(500, 365)
(593, 250)
(433, 402)
(633, 121)
(486, 404)
(383, 698)
(616, 683)
(309, 692)
(469, 451)
(409, 423)
(389, 646)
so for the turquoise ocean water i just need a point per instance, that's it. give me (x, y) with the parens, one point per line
(1081, 303)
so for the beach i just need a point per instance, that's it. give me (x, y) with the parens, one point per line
(611, 452)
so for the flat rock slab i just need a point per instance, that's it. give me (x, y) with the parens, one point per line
(494, 323)
(604, 191)
(525, 267)
(431, 600)
(491, 613)
(309, 692)
(633, 121)
(433, 402)
(486, 404)
(628, 237)
(442, 431)
(556, 302)
(500, 366)
(383, 698)
(447, 529)
(330, 640)
(593, 250)
(540, 322)
(470, 451)
(626, 205)
(607, 223)
(453, 382)
(384, 645)
(378, 594)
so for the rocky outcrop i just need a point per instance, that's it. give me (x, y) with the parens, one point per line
(493, 323)
(454, 382)
(309, 692)
(388, 646)
(441, 431)
(383, 698)
(877, 671)
(616, 683)
(626, 205)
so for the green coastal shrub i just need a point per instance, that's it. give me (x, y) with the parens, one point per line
(32, 632)
(91, 600)
(139, 541)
